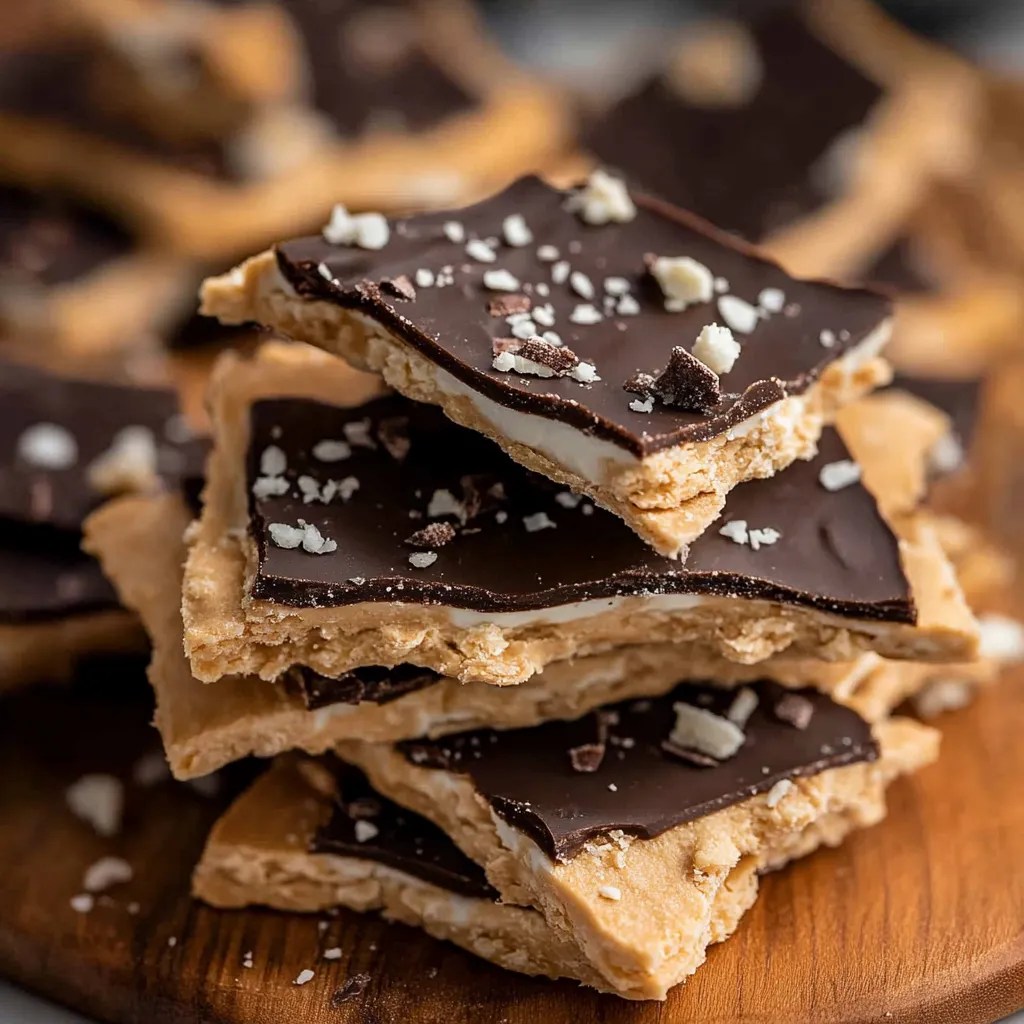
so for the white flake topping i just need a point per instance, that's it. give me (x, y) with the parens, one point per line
(721, 285)
(716, 348)
(357, 433)
(480, 251)
(305, 976)
(827, 338)
(742, 707)
(305, 534)
(98, 800)
(763, 538)
(273, 461)
(586, 314)
(48, 446)
(264, 487)
(581, 284)
(330, 451)
(516, 231)
(501, 281)
(444, 503)
(941, 695)
(683, 281)
(603, 200)
(453, 231)
(83, 903)
(739, 532)
(585, 373)
(736, 531)
(547, 253)
(627, 306)
(740, 315)
(837, 475)
(420, 560)
(647, 405)
(567, 499)
(365, 831)
(778, 792)
(1002, 638)
(560, 272)
(609, 892)
(105, 872)
(424, 278)
(543, 315)
(129, 464)
(771, 300)
(616, 286)
(366, 230)
(538, 521)
(699, 729)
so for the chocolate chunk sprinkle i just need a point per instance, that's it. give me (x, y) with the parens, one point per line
(362, 808)
(433, 535)
(509, 305)
(352, 988)
(400, 286)
(392, 432)
(554, 357)
(640, 383)
(689, 755)
(480, 493)
(687, 383)
(587, 757)
(795, 710)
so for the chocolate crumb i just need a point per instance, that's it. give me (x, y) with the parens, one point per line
(688, 754)
(509, 305)
(587, 757)
(640, 383)
(480, 493)
(400, 286)
(433, 535)
(795, 710)
(353, 987)
(392, 434)
(554, 357)
(687, 383)
(362, 808)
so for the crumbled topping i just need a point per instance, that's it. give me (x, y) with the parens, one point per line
(740, 315)
(716, 348)
(247, 961)
(392, 434)
(683, 281)
(399, 286)
(273, 461)
(328, 451)
(540, 358)
(616, 286)
(552, 338)
(305, 534)
(721, 285)
(305, 976)
(547, 253)
(433, 535)
(357, 433)
(501, 516)
(627, 306)
(500, 281)
(453, 231)
(515, 231)
(1002, 638)
(333, 954)
(771, 300)
(509, 305)
(422, 559)
(581, 284)
(687, 382)
(444, 503)
(609, 892)
(524, 329)
(587, 757)
(742, 707)
(560, 272)
(538, 521)
(264, 487)
(586, 315)
(795, 710)
(707, 733)
(736, 531)
(763, 538)
(346, 488)
(603, 200)
(941, 695)
(544, 315)
(424, 278)
(129, 464)
(105, 872)
(647, 405)
(567, 499)
(827, 338)
(365, 830)
(98, 800)
(778, 792)
(83, 903)
(585, 373)
(479, 250)
(48, 446)
(365, 230)
(837, 475)
(172, 941)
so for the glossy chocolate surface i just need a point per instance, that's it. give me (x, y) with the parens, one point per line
(752, 168)
(453, 325)
(529, 778)
(835, 552)
(403, 840)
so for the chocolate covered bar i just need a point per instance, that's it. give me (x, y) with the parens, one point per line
(613, 343)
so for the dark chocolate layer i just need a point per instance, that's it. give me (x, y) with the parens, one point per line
(372, 684)
(960, 400)
(835, 552)
(403, 840)
(453, 326)
(750, 169)
(45, 240)
(368, 68)
(92, 413)
(529, 778)
(44, 575)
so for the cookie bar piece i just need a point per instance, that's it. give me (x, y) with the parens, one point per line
(628, 828)
(432, 547)
(65, 446)
(73, 279)
(407, 105)
(613, 343)
(843, 156)
(312, 836)
(139, 542)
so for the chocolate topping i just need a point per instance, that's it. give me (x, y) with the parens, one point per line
(403, 840)
(587, 757)
(835, 552)
(756, 167)
(350, 988)
(509, 305)
(433, 535)
(960, 400)
(452, 326)
(531, 784)
(92, 414)
(687, 383)
(372, 684)
(49, 241)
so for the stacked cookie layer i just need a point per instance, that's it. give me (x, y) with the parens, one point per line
(599, 616)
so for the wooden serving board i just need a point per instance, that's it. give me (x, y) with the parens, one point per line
(918, 920)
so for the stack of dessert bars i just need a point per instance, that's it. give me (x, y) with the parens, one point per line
(589, 602)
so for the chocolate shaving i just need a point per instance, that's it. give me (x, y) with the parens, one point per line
(400, 287)
(587, 757)
(509, 305)
(393, 435)
(687, 383)
(554, 357)
(353, 987)
(640, 383)
(795, 710)
(433, 535)
(689, 755)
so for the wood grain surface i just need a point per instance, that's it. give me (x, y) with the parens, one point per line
(919, 920)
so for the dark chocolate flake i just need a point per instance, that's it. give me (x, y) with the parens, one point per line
(509, 305)
(687, 383)
(795, 710)
(640, 383)
(393, 434)
(350, 989)
(587, 757)
(433, 535)
(559, 359)
(689, 755)
(399, 286)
